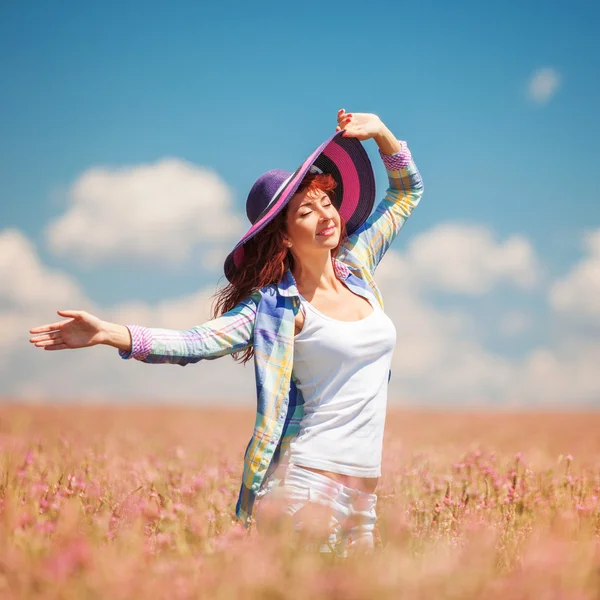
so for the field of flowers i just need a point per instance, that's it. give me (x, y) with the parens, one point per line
(137, 502)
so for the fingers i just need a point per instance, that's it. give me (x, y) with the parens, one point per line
(344, 119)
(45, 336)
(49, 343)
(73, 314)
(46, 328)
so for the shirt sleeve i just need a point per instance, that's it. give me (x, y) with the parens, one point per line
(231, 332)
(372, 240)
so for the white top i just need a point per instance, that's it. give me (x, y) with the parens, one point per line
(342, 370)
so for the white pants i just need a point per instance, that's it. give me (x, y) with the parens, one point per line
(349, 513)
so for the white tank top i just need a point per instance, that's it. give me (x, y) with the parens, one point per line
(342, 370)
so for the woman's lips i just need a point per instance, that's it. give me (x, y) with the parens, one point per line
(327, 232)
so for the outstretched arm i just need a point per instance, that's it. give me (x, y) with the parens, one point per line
(231, 332)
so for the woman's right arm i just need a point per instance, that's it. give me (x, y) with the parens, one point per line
(231, 332)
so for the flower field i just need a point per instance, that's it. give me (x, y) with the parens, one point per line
(137, 502)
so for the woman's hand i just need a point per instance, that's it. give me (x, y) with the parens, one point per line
(79, 331)
(362, 126)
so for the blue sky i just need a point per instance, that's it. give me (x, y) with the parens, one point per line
(244, 88)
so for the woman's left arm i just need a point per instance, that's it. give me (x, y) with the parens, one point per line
(372, 240)
(232, 332)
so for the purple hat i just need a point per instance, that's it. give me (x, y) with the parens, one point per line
(342, 157)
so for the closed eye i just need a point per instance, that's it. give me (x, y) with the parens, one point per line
(310, 211)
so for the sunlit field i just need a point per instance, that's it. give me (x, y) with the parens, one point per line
(138, 502)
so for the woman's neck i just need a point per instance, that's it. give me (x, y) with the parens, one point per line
(318, 273)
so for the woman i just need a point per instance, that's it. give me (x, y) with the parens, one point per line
(301, 300)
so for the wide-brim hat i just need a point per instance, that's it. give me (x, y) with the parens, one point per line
(344, 158)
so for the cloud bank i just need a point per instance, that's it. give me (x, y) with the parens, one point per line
(578, 293)
(157, 212)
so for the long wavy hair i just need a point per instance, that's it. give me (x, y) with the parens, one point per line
(267, 258)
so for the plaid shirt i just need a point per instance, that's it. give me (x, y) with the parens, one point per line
(266, 320)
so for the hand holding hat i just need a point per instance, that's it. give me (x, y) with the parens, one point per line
(362, 126)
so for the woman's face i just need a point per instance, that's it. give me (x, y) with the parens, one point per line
(312, 223)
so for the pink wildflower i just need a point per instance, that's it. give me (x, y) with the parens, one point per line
(24, 520)
(164, 539)
(75, 555)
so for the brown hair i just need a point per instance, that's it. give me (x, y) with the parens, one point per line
(266, 258)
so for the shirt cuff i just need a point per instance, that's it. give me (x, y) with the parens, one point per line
(400, 160)
(141, 343)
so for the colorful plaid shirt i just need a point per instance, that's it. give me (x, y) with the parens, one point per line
(266, 320)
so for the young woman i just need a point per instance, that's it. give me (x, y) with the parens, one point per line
(301, 300)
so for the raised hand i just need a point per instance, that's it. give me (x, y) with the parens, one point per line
(80, 330)
(362, 126)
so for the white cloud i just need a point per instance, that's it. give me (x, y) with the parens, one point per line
(467, 259)
(27, 289)
(543, 84)
(421, 329)
(578, 293)
(159, 211)
(24, 281)
(437, 359)
(174, 313)
(514, 323)
(213, 259)
(439, 356)
(564, 376)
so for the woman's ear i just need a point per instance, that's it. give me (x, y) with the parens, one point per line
(286, 241)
